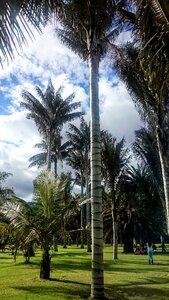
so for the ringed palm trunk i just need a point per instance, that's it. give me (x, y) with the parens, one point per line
(165, 176)
(56, 166)
(64, 234)
(49, 152)
(88, 216)
(88, 221)
(97, 284)
(115, 235)
(55, 244)
(82, 214)
(45, 265)
(77, 234)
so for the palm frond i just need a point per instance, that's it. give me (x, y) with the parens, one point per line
(18, 19)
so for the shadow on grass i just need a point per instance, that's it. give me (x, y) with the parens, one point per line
(71, 254)
(138, 290)
(66, 265)
(67, 288)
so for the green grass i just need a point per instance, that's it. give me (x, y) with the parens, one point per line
(129, 277)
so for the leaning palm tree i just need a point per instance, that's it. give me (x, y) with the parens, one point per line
(115, 158)
(50, 113)
(86, 25)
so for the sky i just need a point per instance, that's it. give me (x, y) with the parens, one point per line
(43, 59)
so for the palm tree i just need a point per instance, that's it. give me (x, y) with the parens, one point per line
(86, 26)
(152, 28)
(114, 159)
(69, 206)
(146, 151)
(78, 156)
(50, 113)
(78, 159)
(142, 214)
(59, 152)
(5, 192)
(18, 18)
(37, 221)
(151, 102)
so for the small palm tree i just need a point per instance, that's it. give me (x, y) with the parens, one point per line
(50, 113)
(38, 220)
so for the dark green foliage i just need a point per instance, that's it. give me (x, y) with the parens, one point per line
(140, 205)
(145, 150)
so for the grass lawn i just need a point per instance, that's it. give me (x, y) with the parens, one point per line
(129, 277)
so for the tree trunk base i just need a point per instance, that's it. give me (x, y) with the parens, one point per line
(45, 266)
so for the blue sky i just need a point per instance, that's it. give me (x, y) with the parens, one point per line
(47, 58)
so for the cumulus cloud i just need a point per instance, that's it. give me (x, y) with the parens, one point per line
(46, 58)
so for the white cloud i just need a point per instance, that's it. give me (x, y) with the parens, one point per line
(118, 114)
(47, 58)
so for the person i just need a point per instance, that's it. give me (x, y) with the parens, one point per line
(150, 252)
(137, 251)
(163, 247)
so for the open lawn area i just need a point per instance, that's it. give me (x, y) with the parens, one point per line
(129, 277)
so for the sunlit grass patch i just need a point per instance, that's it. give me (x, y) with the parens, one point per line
(129, 277)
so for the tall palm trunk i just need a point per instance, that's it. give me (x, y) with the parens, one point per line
(45, 265)
(97, 285)
(56, 166)
(82, 214)
(165, 176)
(88, 216)
(88, 222)
(82, 225)
(77, 234)
(64, 234)
(55, 242)
(49, 152)
(115, 234)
